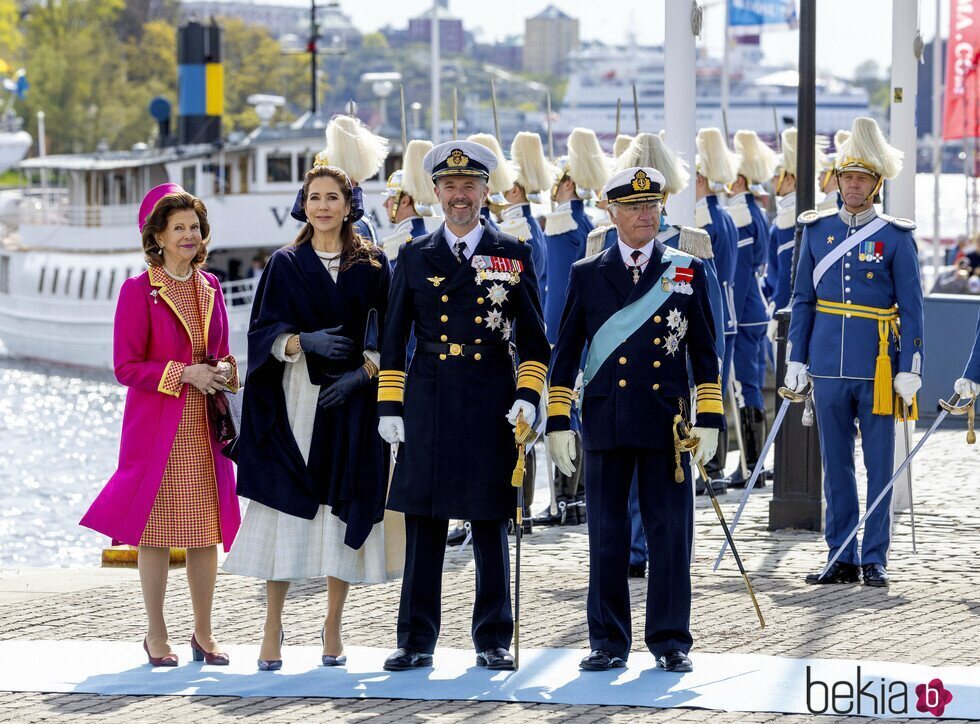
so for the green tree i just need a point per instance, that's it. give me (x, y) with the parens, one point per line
(11, 38)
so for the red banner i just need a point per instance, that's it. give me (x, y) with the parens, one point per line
(962, 79)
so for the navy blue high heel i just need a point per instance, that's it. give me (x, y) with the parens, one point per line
(273, 664)
(330, 660)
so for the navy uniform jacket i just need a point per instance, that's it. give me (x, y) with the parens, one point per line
(782, 239)
(973, 365)
(459, 449)
(566, 231)
(724, 245)
(753, 246)
(517, 220)
(888, 274)
(633, 397)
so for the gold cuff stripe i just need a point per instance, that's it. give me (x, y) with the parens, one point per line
(532, 365)
(710, 407)
(389, 395)
(530, 383)
(559, 409)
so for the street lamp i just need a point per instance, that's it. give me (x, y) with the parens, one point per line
(382, 84)
(416, 118)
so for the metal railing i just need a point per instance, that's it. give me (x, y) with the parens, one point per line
(33, 212)
(239, 292)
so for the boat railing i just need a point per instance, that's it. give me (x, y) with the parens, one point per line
(33, 211)
(239, 292)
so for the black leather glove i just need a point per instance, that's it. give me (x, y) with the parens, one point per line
(326, 344)
(343, 388)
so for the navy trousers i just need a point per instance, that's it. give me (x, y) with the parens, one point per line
(748, 372)
(419, 610)
(667, 510)
(638, 539)
(837, 403)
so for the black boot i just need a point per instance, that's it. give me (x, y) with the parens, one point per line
(752, 421)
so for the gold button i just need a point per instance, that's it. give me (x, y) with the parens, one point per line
(656, 363)
(871, 275)
(622, 383)
(444, 318)
(656, 386)
(657, 340)
(444, 338)
(847, 301)
(478, 320)
(445, 297)
(622, 360)
(479, 341)
(442, 356)
(656, 318)
(478, 356)
(479, 300)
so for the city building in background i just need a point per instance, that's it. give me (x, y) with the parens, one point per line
(549, 37)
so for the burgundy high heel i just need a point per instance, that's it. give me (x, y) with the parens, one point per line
(168, 660)
(207, 657)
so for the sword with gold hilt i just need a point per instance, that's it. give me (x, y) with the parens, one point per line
(685, 442)
(523, 434)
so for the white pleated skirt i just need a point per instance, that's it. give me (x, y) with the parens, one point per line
(275, 546)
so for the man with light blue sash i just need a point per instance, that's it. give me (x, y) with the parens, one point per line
(717, 169)
(642, 310)
(857, 317)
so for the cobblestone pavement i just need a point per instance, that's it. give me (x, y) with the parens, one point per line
(930, 615)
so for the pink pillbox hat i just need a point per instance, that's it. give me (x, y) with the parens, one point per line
(152, 197)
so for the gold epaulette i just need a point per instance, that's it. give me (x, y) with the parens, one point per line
(531, 375)
(391, 386)
(560, 401)
(709, 398)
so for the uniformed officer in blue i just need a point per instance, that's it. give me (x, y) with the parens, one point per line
(642, 311)
(408, 198)
(472, 295)
(756, 164)
(717, 169)
(534, 176)
(360, 154)
(783, 231)
(969, 384)
(857, 318)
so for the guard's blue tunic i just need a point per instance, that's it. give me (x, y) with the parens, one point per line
(972, 371)
(628, 408)
(724, 245)
(841, 350)
(781, 243)
(365, 227)
(535, 237)
(750, 306)
(566, 231)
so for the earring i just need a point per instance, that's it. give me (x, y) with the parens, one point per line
(345, 218)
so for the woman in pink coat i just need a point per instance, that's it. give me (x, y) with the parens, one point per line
(172, 487)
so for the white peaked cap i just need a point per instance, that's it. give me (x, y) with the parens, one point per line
(758, 160)
(867, 146)
(715, 161)
(650, 149)
(586, 161)
(415, 181)
(620, 144)
(534, 173)
(352, 147)
(504, 176)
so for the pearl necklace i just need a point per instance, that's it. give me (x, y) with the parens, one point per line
(184, 278)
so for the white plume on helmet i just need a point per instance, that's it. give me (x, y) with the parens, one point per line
(620, 145)
(715, 161)
(534, 173)
(649, 149)
(415, 181)
(502, 177)
(586, 162)
(868, 145)
(352, 147)
(758, 161)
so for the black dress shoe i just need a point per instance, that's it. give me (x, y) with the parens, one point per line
(498, 659)
(674, 660)
(600, 660)
(456, 537)
(638, 570)
(838, 573)
(405, 659)
(874, 574)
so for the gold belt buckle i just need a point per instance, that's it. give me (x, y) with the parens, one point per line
(455, 350)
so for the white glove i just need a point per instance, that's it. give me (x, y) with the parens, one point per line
(392, 429)
(965, 387)
(906, 385)
(707, 444)
(530, 413)
(771, 329)
(796, 376)
(561, 447)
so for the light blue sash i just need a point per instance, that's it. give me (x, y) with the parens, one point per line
(620, 326)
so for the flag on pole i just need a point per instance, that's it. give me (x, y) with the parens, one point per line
(758, 14)
(962, 49)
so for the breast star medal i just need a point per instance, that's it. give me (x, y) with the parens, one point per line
(830, 239)
(497, 294)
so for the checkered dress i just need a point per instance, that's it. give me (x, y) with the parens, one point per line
(185, 512)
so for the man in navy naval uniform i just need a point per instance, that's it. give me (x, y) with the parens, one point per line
(408, 195)
(756, 164)
(472, 295)
(857, 317)
(642, 310)
(969, 384)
